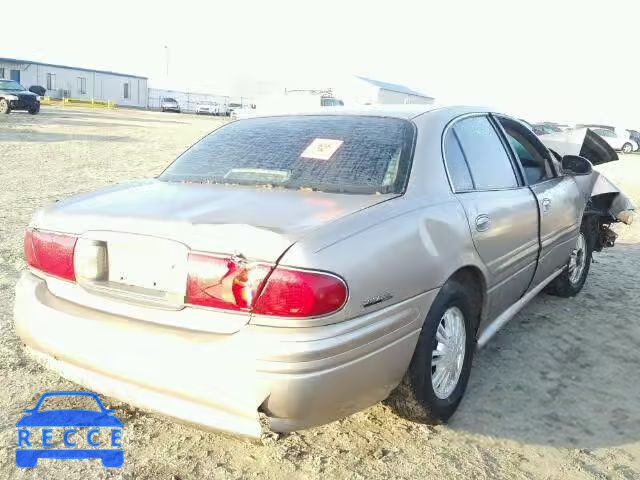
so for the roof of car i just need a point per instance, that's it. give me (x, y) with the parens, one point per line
(399, 111)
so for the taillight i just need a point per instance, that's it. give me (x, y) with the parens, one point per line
(223, 282)
(259, 288)
(301, 293)
(50, 252)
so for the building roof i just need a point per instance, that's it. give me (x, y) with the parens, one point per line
(17, 60)
(394, 87)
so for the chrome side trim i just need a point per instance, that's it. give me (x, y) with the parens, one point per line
(510, 312)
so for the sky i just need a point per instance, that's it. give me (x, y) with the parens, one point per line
(562, 60)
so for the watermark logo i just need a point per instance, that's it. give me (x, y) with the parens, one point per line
(74, 429)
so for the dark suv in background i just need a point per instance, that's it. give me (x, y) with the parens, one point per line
(14, 96)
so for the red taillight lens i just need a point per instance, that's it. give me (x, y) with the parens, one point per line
(50, 252)
(223, 283)
(300, 293)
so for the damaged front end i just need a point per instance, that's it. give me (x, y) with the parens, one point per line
(606, 204)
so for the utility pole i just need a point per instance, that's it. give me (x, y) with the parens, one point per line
(166, 58)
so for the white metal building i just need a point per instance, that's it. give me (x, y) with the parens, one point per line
(390, 93)
(75, 82)
(356, 90)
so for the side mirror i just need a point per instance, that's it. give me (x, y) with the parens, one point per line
(576, 165)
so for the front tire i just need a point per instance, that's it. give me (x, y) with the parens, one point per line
(570, 282)
(627, 148)
(4, 106)
(34, 110)
(439, 371)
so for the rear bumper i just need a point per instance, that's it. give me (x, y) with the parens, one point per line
(296, 377)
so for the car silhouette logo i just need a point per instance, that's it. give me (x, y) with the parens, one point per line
(105, 428)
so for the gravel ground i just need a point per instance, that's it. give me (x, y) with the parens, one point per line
(556, 394)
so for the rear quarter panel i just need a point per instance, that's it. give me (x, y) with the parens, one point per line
(390, 252)
(401, 247)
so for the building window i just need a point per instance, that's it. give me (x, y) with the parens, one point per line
(82, 85)
(1, 72)
(126, 89)
(51, 81)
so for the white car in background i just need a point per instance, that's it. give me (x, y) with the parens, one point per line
(616, 140)
(208, 108)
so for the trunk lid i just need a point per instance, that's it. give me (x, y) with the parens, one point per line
(259, 224)
(135, 238)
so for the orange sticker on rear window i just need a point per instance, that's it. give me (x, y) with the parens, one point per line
(321, 148)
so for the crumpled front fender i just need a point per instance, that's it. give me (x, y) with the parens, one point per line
(605, 198)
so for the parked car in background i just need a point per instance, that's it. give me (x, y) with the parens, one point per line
(223, 109)
(236, 113)
(14, 96)
(634, 135)
(616, 140)
(208, 108)
(595, 125)
(169, 104)
(289, 270)
(544, 129)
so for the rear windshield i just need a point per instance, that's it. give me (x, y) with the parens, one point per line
(169, 100)
(331, 153)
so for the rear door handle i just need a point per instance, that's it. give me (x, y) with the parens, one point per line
(483, 222)
(546, 204)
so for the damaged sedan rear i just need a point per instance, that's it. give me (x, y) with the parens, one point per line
(290, 270)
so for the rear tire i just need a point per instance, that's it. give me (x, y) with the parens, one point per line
(627, 148)
(4, 106)
(420, 397)
(34, 110)
(573, 277)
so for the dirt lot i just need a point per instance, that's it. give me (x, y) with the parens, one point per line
(555, 395)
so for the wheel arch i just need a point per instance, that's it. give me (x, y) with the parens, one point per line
(472, 278)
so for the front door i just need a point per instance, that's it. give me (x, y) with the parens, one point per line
(15, 75)
(502, 213)
(558, 198)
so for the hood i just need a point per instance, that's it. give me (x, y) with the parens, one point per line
(580, 141)
(258, 223)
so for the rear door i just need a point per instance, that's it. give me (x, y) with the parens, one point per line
(559, 199)
(501, 211)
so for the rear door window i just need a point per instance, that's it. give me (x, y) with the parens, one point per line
(457, 166)
(490, 165)
(333, 153)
